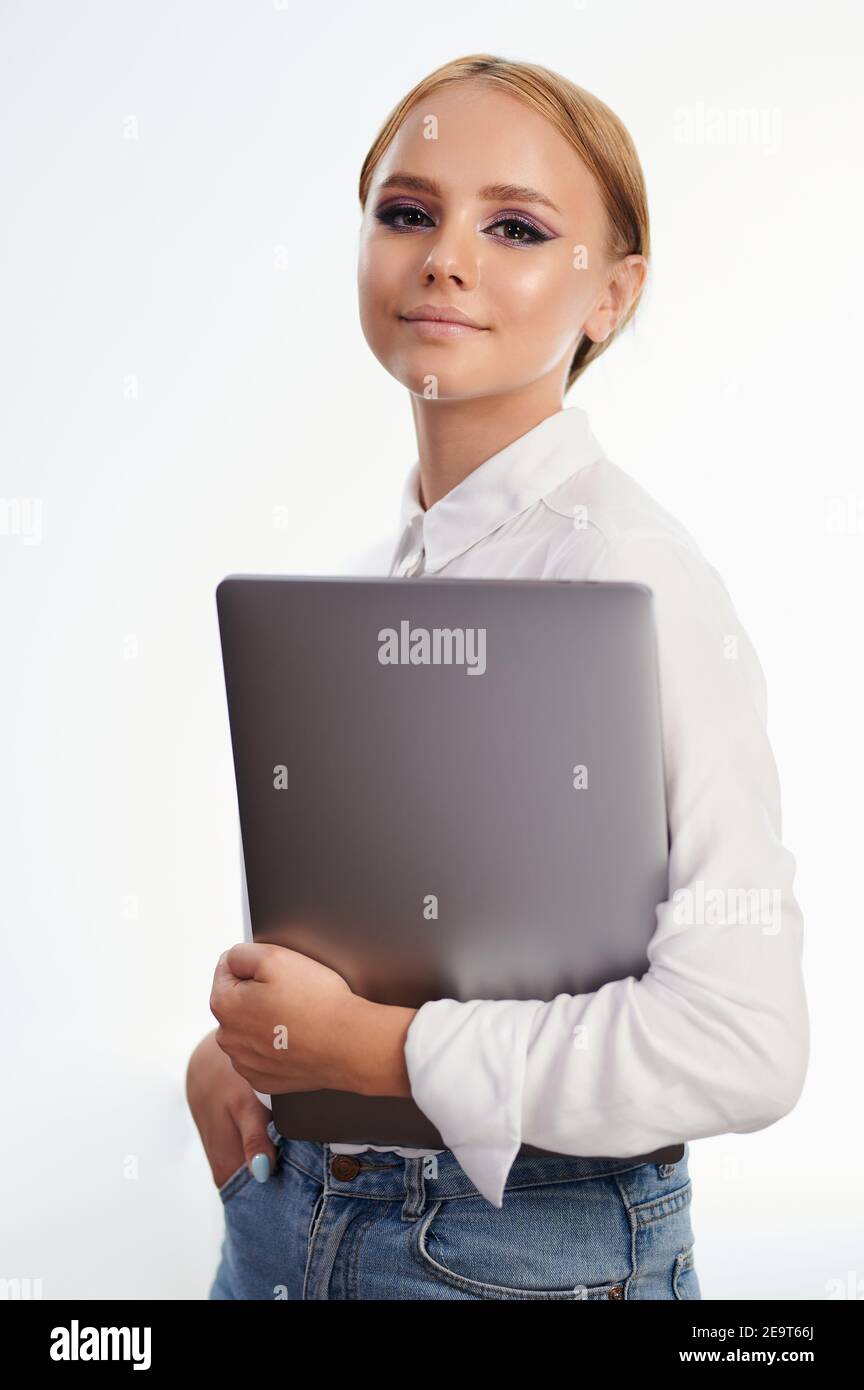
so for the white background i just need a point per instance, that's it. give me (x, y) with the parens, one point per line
(187, 394)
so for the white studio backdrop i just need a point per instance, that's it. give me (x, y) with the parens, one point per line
(187, 394)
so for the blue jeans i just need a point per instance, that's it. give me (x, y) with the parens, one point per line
(377, 1226)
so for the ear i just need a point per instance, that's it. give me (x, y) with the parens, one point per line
(623, 285)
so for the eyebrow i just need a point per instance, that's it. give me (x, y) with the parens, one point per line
(492, 193)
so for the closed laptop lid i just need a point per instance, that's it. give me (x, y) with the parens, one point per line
(447, 787)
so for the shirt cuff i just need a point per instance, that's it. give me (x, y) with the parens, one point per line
(265, 1100)
(478, 1109)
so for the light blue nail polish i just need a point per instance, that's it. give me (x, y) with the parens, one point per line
(261, 1167)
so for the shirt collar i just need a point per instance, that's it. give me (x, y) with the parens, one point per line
(499, 488)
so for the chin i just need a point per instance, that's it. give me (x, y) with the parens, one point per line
(442, 386)
(434, 377)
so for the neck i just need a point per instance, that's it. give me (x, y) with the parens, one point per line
(455, 437)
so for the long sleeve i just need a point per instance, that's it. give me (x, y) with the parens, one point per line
(714, 1038)
(247, 930)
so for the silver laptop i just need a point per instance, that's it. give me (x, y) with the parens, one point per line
(447, 788)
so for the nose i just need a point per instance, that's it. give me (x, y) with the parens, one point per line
(451, 256)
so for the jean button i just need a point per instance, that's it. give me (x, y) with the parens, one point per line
(344, 1167)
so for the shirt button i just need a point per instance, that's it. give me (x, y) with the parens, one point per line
(344, 1167)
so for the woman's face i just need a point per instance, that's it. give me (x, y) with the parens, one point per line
(451, 222)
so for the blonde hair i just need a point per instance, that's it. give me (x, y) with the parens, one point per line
(598, 136)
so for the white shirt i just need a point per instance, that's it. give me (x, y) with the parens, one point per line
(714, 1038)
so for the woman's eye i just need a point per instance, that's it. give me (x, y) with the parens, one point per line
(389, 216)
(520, 231)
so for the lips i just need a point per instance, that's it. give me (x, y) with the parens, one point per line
(445, 313)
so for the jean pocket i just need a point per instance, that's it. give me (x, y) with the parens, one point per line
(663, 1245)
(237, 1180)
(566, 1241)
(685, 1281)
(243, 1175)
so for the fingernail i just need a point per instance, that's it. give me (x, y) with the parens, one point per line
(261, 1167)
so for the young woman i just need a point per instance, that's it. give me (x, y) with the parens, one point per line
(504, 244)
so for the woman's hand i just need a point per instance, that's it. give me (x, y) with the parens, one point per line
(285, 1019)
(230, 1118)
